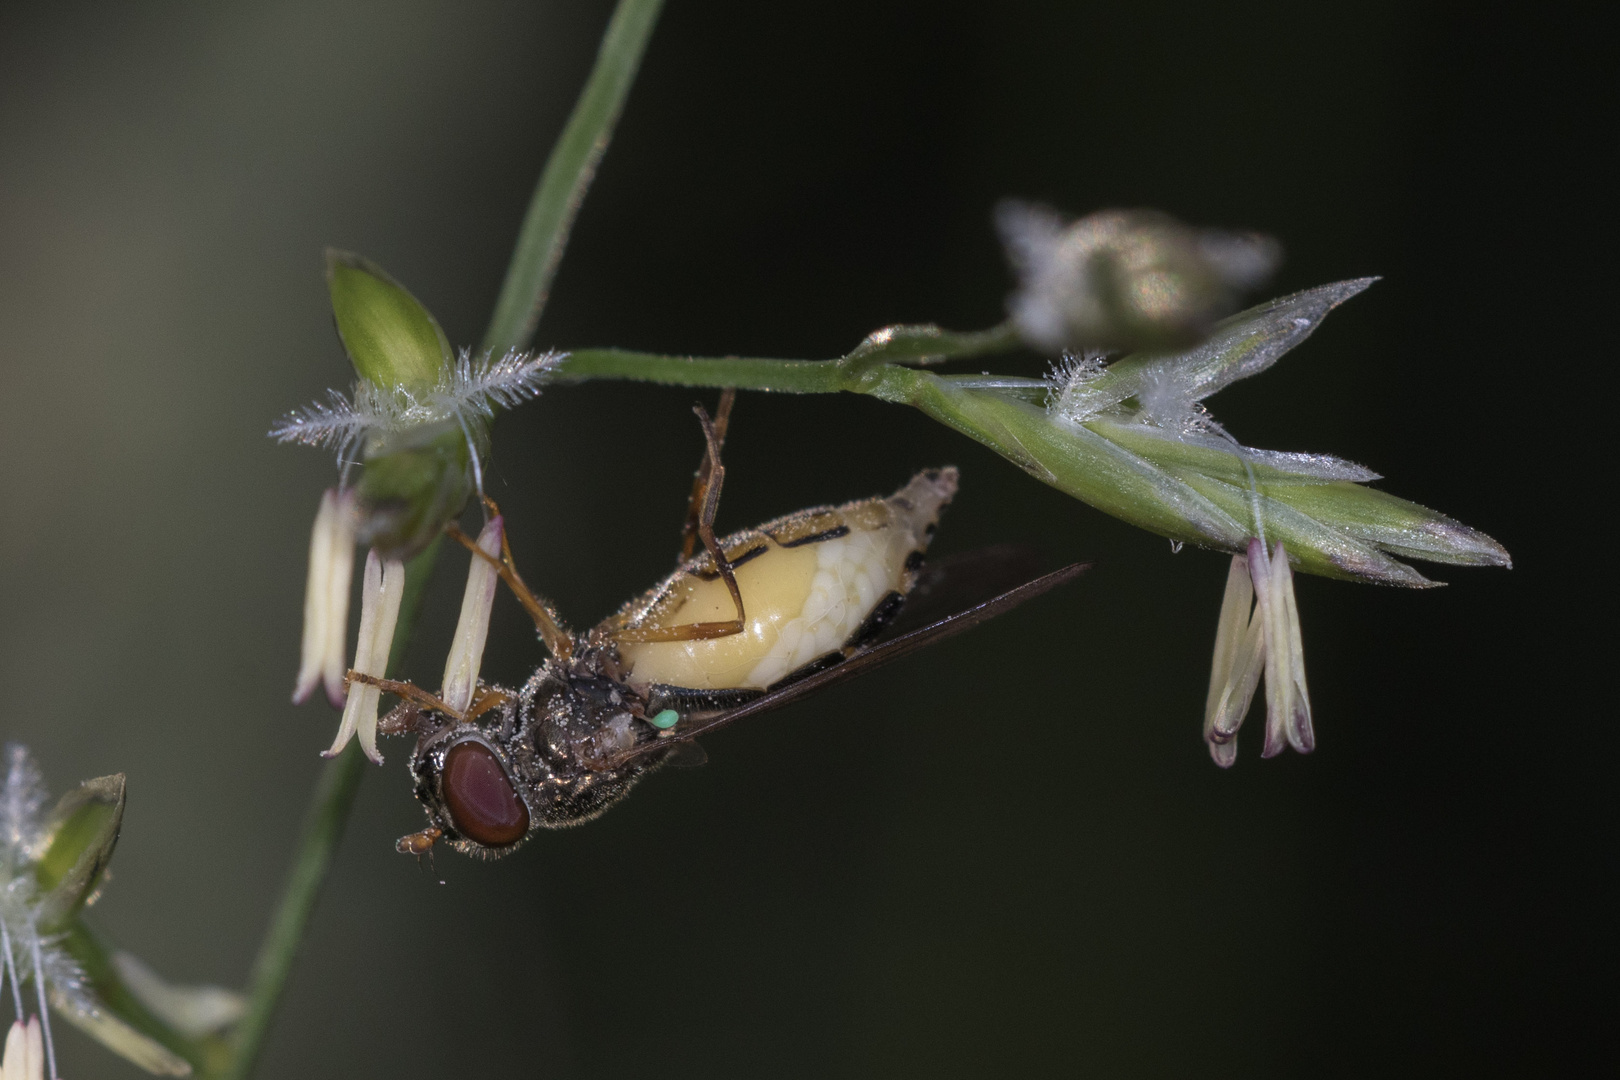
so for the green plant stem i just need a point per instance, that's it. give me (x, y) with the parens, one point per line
(544, 235)
(323, 829)
(568, 172)
(873, 367)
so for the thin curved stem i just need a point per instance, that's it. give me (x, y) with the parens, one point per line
(568, 173)
(317, 843)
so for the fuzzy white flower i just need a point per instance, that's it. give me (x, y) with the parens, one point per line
(467, 392)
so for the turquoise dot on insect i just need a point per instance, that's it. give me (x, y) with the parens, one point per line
(665, 720)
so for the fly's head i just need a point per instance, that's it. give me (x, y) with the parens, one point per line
(557, 753)
(468, 778)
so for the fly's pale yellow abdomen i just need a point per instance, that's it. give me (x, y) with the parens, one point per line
(810, 583)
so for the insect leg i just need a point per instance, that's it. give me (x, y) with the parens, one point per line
(700, 481)
(716, 475)
(409, 691)
(556, 639)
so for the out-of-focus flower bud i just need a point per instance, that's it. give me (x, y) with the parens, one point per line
(1125, 279)
(52, 865)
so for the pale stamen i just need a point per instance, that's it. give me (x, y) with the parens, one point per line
(1235, 671)
(472, 628)
(382, 588)
(326, 597)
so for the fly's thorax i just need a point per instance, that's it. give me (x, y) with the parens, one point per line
(811, 585)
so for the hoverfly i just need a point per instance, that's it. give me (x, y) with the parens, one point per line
(750, 623)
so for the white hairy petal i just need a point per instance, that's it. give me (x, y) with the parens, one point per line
(472, 629)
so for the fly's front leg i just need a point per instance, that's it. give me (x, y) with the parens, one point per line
(713, 476)
(557, 641)
(409, 691)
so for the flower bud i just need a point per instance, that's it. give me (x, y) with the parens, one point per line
(418, 417)
(1125, 279)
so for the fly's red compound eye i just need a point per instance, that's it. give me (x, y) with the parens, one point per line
(482, 802)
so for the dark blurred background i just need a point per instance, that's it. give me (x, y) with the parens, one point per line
(1009, 856)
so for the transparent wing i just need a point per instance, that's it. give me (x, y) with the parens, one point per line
(864, 660)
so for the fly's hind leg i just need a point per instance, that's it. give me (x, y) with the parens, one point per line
(705, 503)
(700, 480)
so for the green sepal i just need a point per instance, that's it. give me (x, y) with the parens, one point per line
(80, 835)
(409, 493)
(1199, 493)
(1400, 527)
(391, 339)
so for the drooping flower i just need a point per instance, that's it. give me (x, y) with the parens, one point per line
(1125, 279)
(1250, 642)
(417, 420)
